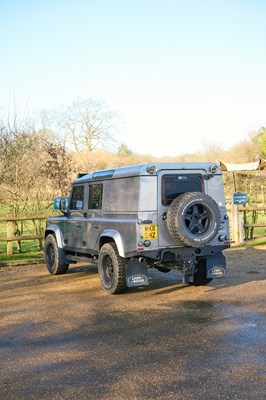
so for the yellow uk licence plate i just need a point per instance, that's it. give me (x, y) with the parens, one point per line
(149, 232)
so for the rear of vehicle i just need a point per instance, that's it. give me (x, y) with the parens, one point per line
(186, 226)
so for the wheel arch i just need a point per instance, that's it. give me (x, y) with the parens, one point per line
(54, 230)
(111, 235)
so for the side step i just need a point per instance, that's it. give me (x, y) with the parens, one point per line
(82, 258)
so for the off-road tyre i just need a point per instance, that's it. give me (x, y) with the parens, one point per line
(200, 274)
(112, 269)
(193, 219)
(52, 260)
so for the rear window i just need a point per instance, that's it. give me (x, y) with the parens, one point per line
(174, 185)
(95, 197)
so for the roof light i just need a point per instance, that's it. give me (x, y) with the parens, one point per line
(214, 168)
(151, 169)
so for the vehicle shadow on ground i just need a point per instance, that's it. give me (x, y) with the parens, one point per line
(246, 264)
(90, 269)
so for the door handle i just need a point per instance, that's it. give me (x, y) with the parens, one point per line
(78, 226)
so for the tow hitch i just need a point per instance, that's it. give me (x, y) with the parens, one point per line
(187, 270)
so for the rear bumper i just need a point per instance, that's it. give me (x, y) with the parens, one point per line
(180, 253)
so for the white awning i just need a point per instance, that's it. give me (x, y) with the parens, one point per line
(261, 164)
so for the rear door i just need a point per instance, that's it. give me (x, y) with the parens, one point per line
(171, 184)
(93, 220)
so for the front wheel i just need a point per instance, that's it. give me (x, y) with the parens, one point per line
(112, 269)
(52, 260)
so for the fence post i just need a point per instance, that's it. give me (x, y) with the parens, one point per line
(9, 233)
(241, 226)
(237, 223)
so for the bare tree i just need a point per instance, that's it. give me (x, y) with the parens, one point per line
(32, 169)
(85, 125)
(58, 168)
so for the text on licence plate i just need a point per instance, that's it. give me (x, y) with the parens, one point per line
(149, 232)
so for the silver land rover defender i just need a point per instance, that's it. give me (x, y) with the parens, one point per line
(160, 215)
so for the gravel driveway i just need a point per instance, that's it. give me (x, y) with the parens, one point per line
(63, 337)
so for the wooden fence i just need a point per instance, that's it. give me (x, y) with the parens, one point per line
(10, 237)
(238, 224)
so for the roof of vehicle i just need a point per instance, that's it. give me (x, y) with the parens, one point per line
(147, 169)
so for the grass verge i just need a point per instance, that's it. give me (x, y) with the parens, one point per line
(21, 256)
(254, 242)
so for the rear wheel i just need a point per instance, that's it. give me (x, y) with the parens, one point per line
(52, 260)
(112, 269)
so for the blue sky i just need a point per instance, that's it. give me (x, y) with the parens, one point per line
(181, 74)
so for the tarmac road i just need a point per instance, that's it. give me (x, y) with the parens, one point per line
(63, 337)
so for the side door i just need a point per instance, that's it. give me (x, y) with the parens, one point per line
(93, 220)
(74, 225)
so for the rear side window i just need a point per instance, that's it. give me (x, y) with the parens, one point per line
(174, 185)
(77, 198)
(95, 197)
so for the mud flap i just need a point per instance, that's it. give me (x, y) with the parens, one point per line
(216, 265)
(137, 273)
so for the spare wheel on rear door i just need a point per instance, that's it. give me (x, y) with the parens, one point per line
(193, 219)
